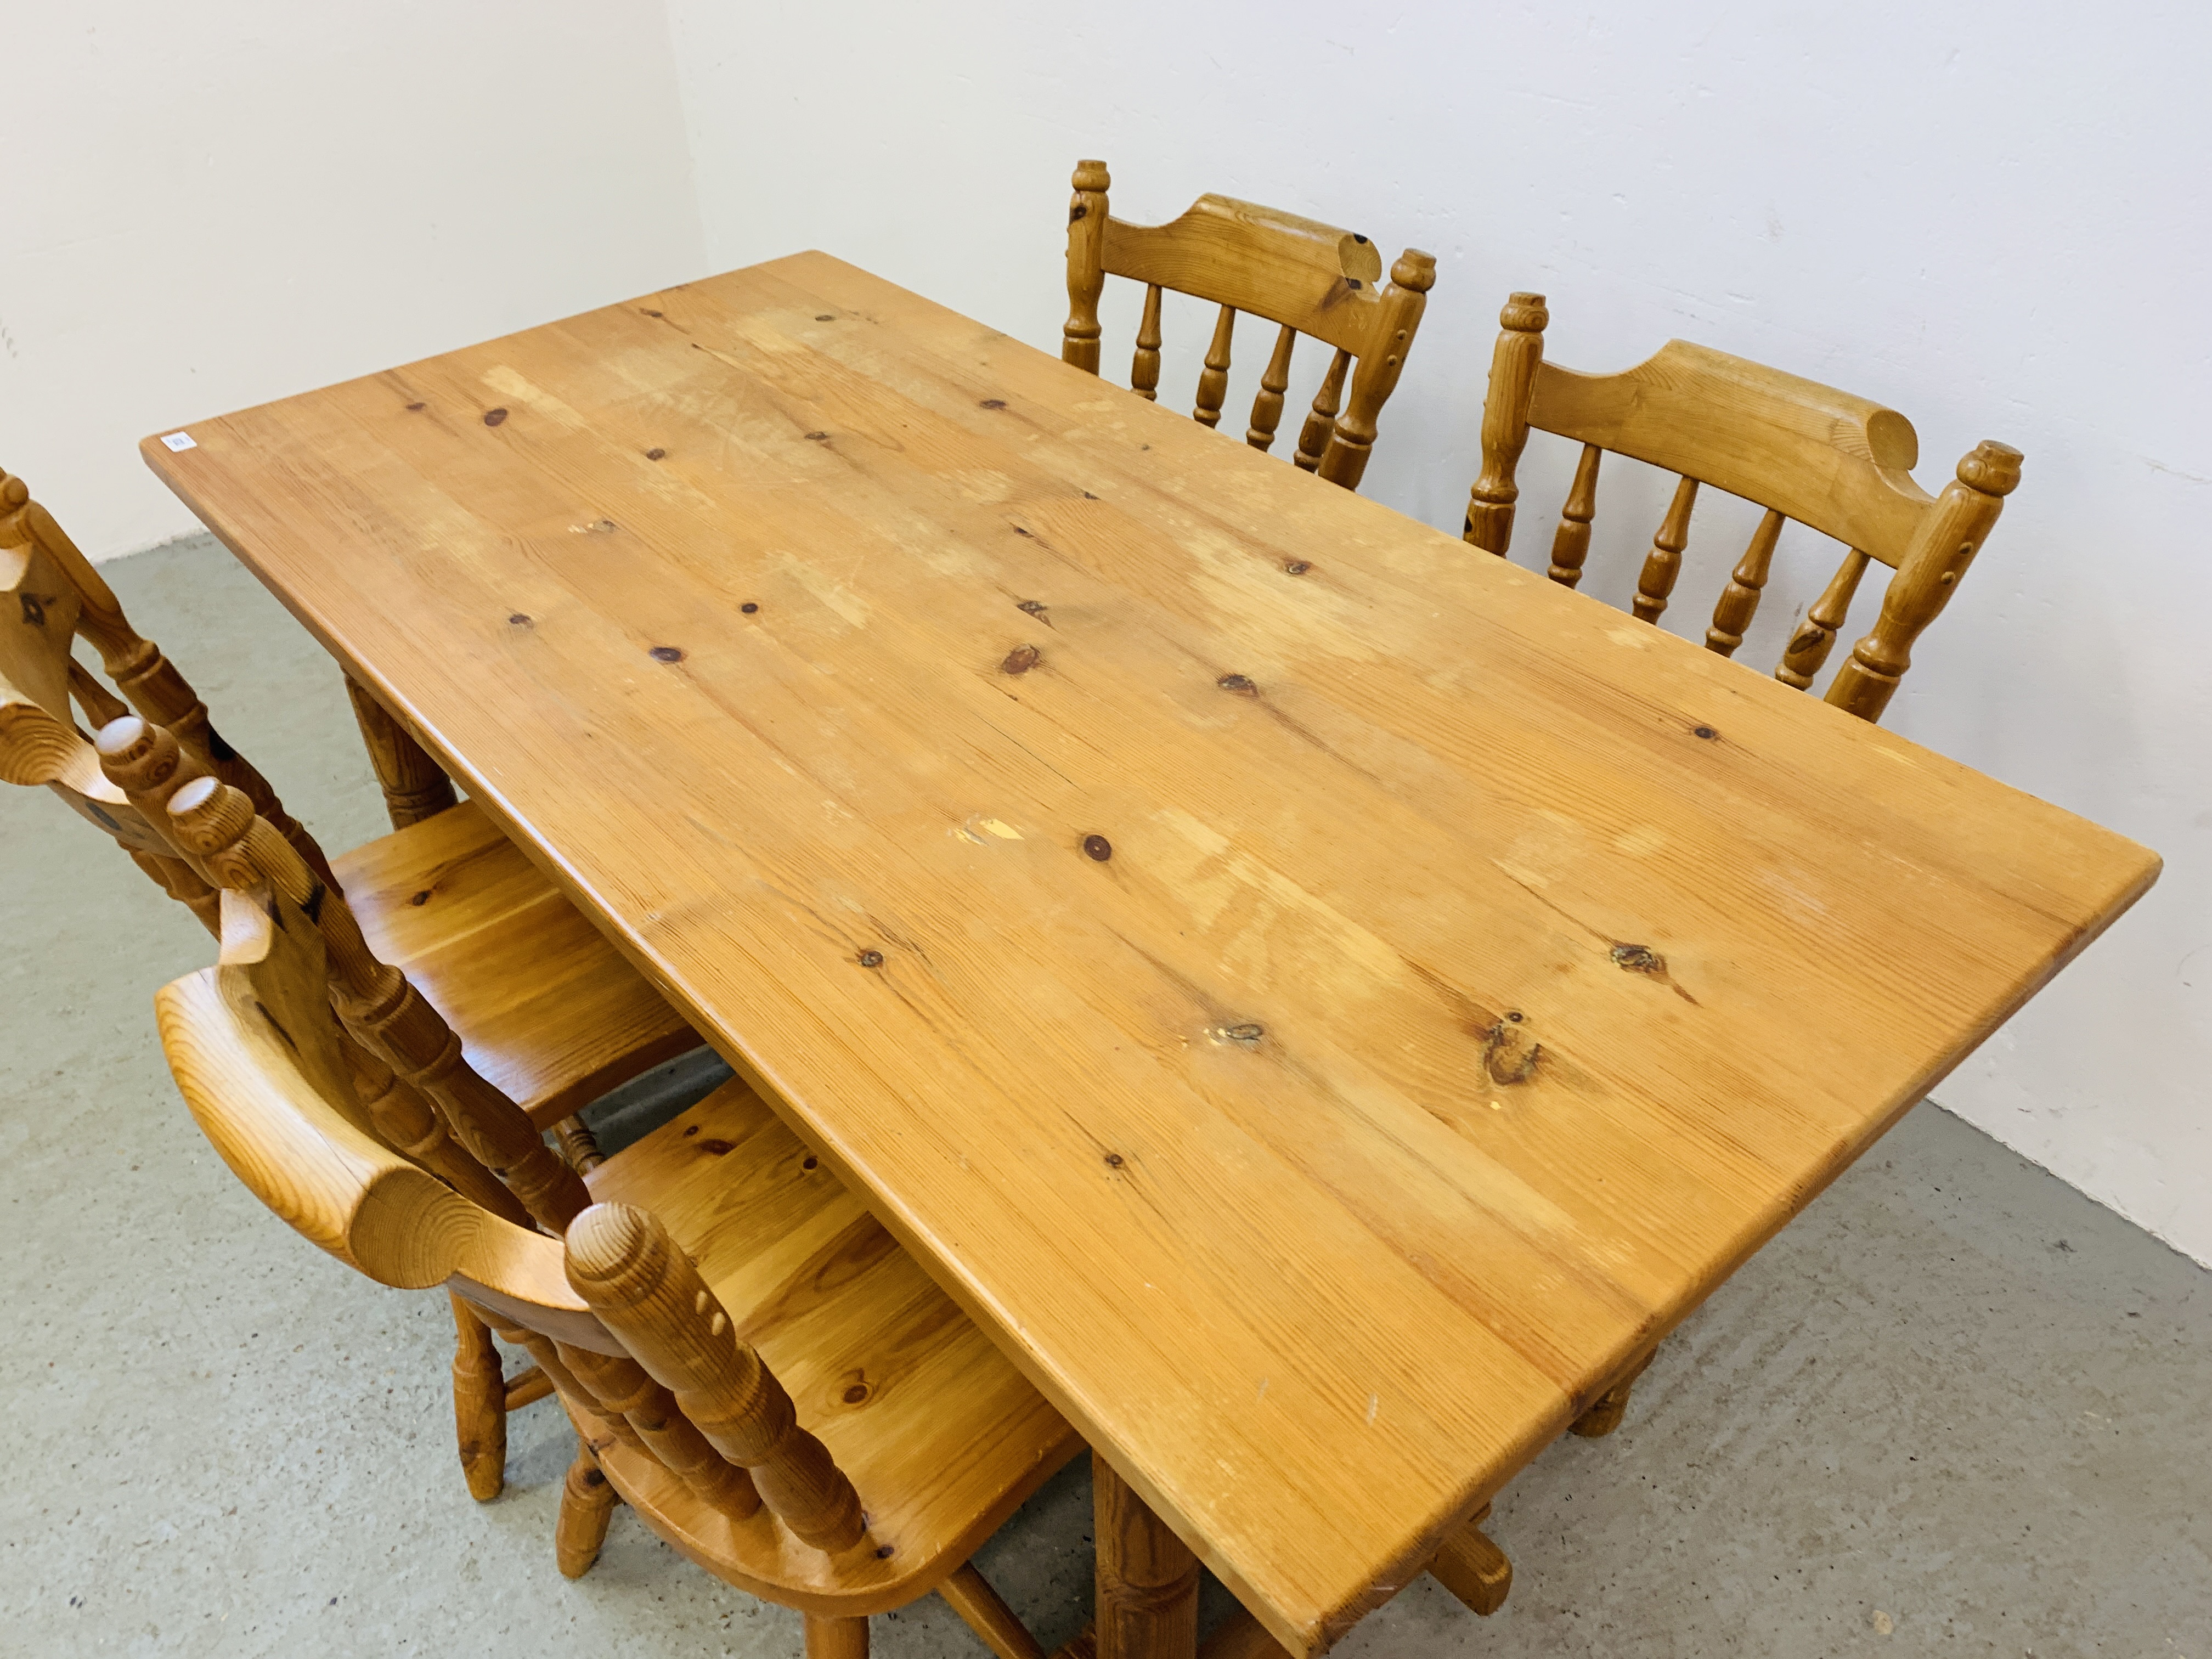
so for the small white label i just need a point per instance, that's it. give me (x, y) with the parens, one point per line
(181, 440)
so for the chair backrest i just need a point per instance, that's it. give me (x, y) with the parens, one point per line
(50, 596)
(1307, 277)
(617, 1316)
(1833, 462)
(396, 1031)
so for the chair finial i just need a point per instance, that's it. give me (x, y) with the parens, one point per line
(1525, 313)
(1092, 175)
(1414, 269)
(1992, 468)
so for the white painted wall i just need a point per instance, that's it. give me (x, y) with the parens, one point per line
(1995, 221)
(204, 207)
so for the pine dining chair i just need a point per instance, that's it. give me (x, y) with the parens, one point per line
(546, 1008)
(775, 1386)
(1306, 277)
(1836, 462)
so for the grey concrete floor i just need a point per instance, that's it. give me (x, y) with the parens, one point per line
(1955, 1408)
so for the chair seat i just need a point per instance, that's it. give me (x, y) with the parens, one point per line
(939, 1433)
(546, 1008)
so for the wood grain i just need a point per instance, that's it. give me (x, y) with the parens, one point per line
(1474, 976)
(936, 1430)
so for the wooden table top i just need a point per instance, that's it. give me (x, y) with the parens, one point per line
(1323, 997)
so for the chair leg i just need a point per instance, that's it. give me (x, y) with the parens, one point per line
(1609, 1409)
(579, 1146)
(828, 1636)
(479, 1404)
(588, 1502)
(971, 1596)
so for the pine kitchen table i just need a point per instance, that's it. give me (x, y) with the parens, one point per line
(1325, 999)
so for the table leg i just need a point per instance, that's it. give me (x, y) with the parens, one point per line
(1147, 1577)
(415, 785)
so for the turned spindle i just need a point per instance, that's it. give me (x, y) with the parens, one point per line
(1739, 601)
(1808, 647)
(579, 1145)
(1663, 563)
(1513, 363)
(623, 1262)
(1086, 265)
(1571, 541)
(1145, 368)
(1213, 380)
(1274, 381)
(1320, 420)
(626, 1389)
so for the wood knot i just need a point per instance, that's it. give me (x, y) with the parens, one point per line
(1297, 568)
(871, 958)
(1638, 959)
(1021, 660)
(825, 316)
(810, 1162)
(1098, 847)
(717, 1148)
(856, 1394)
(666, 654)
(420, 899)
(992, 402)
(494, 416)
(1114, 1160)
(1705, 731)
(648, 311)
(655, 453)
(1509, 1052)
(1247, 1032)
(1035, 607)
(748, 607)
(1240, 683)
(417, 408)
(818, 437)
(520, 619)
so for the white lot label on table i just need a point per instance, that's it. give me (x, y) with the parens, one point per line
(181, 440)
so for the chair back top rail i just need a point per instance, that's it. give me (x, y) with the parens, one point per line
(1835, 462)
(1306, 277)
(50, 595)
(1839, 463)
(1323, 282)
